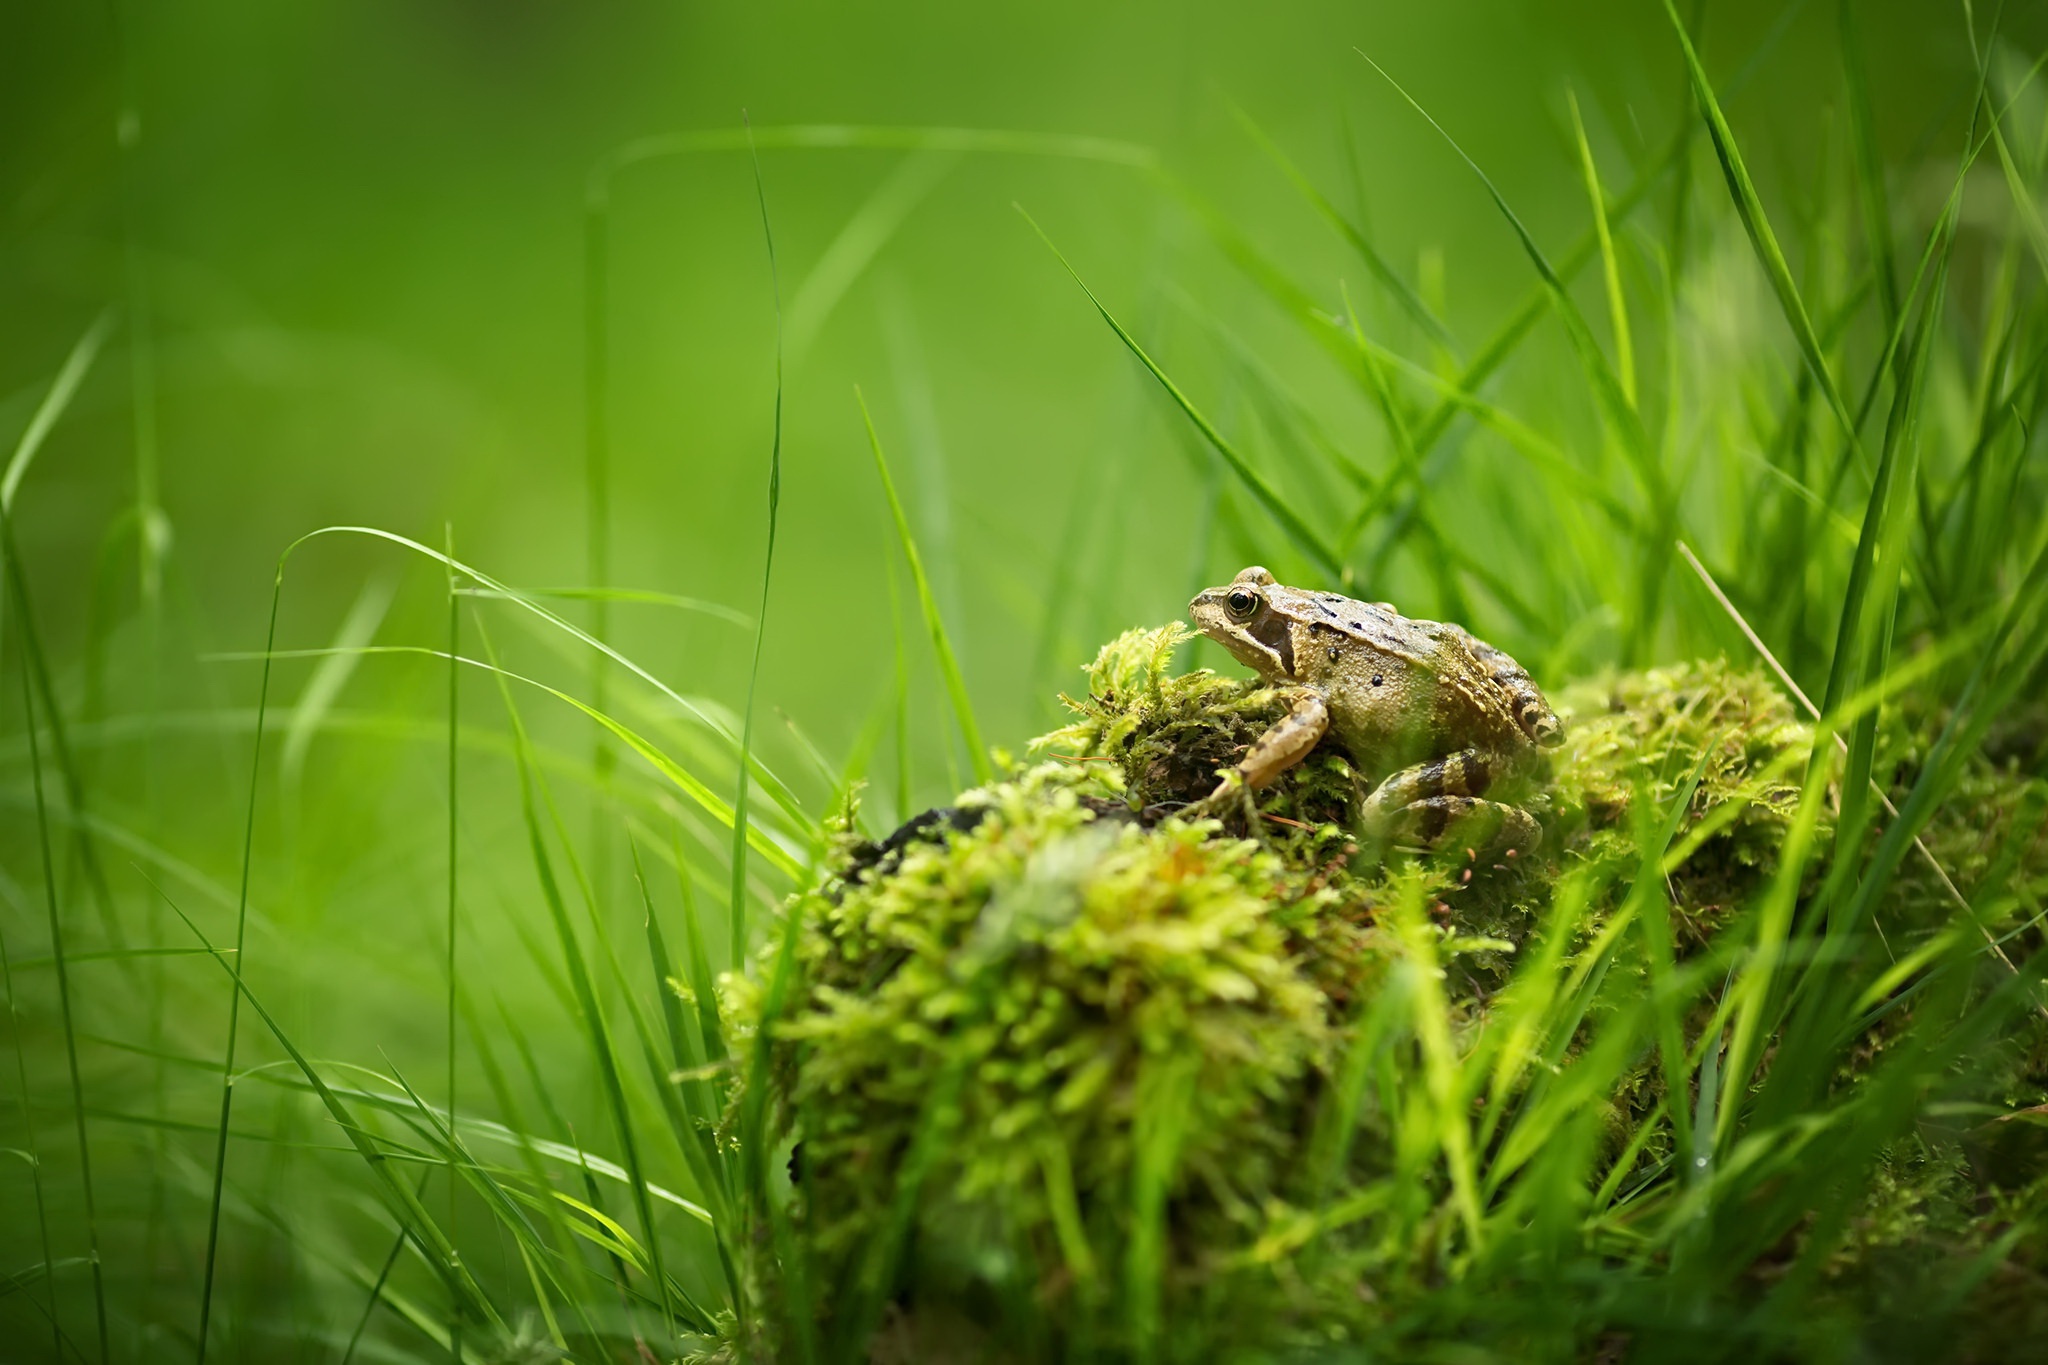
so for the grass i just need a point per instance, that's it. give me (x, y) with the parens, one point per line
(1747, 1064)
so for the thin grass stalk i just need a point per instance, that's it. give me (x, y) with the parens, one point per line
(588, 1005)
(537, 1177)
(1309, 541)
(27, 1118)
(565, 1237)
(410, 1213)
(1617, 302)
(1749, 208)
(227, 1070)
(454, 717)
(35, 678)
(597, 466)
(1398, 288)
(355, 1337)
(697, 791)
(737, 897)
(1869, 166)
(942, 644)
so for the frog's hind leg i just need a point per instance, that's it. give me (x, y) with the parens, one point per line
(1477, 822)
(1426, 800)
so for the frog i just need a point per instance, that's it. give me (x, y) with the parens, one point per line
(1440, 717)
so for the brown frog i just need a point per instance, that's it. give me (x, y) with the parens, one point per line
(1442, 716)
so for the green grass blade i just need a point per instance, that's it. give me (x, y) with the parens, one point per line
(736, 906)
(856, 245)
(1871, 197)
(236, 991)
(57, 943)
(410, 1211)
(453, 846)
(33, 1153)
(558, 623)
(62, 390)
(1402, 292)
(1617, 302)
(942, 645)
(1305, 537)
(377, 1285)
(1614, 403)
(1749, 207)
(588, 1007)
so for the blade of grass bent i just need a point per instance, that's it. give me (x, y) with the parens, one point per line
(574, 632)
(949, 666)
(1305, 537)
(737, 905)
(685, 781)
(348, 1352)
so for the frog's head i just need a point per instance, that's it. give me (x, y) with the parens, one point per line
(1241, 617)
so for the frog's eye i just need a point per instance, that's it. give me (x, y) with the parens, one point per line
(1241, 603)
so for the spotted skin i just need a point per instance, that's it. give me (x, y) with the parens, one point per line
(1439, 716)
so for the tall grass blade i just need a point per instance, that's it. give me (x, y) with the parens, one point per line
(62, 390)
(942, 645)
(589, 1009)
(1871, 197)
(412, 1215)
(737, 904)
(1617, 302)
(33, 1152)
(1615, 404)
(454, 750)
(1749, 208)
(227, 1068)
(377, 1286)
(57, 945)
(1401, 291)
(1306, 538)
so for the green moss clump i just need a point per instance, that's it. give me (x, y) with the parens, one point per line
(1017, 996)
(1061, 1044)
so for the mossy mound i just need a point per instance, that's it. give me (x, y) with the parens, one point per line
(1058, 1055)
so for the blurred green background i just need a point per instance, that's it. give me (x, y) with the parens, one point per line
(346, 249)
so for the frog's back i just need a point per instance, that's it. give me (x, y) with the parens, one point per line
(1434, 689)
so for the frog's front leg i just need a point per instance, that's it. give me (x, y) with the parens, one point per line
(1425, 800)
(1274, 752)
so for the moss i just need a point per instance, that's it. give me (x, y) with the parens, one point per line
(1059, 988)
